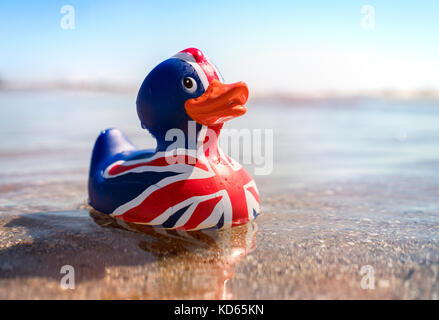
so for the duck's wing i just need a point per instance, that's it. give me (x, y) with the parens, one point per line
(109, 144)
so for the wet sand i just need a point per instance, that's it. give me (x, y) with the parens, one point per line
(315, 253)
(344, 201)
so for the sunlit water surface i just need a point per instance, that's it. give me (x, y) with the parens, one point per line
(353, 182)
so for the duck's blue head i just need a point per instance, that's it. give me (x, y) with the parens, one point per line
(187, 87)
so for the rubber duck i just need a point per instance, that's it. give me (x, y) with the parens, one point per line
(187, 182)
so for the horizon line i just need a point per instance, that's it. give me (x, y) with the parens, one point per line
(285, 95)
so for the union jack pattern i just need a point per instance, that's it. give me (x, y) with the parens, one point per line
(202, 194)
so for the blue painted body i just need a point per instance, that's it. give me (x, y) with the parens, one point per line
(160, 107)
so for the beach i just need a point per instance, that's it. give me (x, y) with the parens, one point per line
(353, 192)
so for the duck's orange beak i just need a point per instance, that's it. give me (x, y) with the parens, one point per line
(219, 103)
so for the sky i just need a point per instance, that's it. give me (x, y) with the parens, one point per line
(274, 46)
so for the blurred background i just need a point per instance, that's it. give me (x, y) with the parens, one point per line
(284, 47)
(349, 88)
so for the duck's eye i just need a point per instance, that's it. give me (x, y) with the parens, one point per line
(189, 84)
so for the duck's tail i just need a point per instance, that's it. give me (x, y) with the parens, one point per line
(109, 143)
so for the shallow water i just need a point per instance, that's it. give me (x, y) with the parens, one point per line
(354, 183)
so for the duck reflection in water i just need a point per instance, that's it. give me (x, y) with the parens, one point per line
(191, 264)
